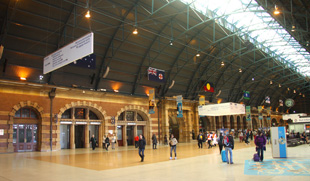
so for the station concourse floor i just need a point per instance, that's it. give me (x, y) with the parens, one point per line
(123, 163)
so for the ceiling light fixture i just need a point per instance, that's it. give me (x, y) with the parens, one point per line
(253, 79)
(293, 28)
(279, 85)
(294, 91)
(288, 88)
(271, 82)
(23, 78)
(41, 77)
(171, 43)
(222, 64)
(115, 90)
(276, 10)
(87, 15)
(198, 54)
(135, 32)
(240, 70)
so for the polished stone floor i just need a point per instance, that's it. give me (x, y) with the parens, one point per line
(123, 163)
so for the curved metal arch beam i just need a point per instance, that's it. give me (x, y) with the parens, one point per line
(137, 80)
(99, 73)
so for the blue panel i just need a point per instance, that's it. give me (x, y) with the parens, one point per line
(282, 142)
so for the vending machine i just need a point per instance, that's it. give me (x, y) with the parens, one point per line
(278, 141)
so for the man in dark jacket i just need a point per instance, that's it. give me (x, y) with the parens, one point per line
(154, 139)
(93, 142)
(142, 144)
(260, 142)
(229, 146)
(200, 139)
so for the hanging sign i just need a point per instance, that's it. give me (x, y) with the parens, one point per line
(202, 100)
(260, 113)
(248, 113)
(179, 106)
(152, 101)
(69, 53)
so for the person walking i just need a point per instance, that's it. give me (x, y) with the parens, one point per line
(166, 139)
(107, 143)
(260, 142)
(113, 141)
(229, 146)
(173, 146)
(137, 141)
(141, 145)
(154, 139)
(200, 139)
(247, 137)
(220, 142)
(251, 135)
(240, 136)
(268, 136)
(93, 142)
(209, 140)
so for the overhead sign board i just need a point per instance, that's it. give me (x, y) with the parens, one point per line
(293, 116)
(78, 49)
(221, 109)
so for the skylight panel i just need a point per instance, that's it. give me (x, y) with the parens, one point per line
(252, 19)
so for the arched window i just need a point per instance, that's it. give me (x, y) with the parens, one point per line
(26, 113)
(130, 116)
(121, 116)
(67, 114)
(139, 117)
(92, 115)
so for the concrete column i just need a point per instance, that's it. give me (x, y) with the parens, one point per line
(100, 135)
(125, 135)
(86, 131)
(72, 136)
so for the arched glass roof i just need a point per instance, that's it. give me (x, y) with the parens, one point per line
(255, 24)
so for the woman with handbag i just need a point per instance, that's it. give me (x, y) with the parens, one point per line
(260, 142)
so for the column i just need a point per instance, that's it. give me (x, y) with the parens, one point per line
(100, 135)
(72, 136)
(86, 131)
(125, 135)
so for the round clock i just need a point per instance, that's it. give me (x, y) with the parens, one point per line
(289, 102)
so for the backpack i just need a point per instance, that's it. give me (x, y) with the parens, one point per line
(226, 142)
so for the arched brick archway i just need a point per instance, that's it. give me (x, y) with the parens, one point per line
(245, 123)
(146, 125)
(42, 146)
(239, 125)
(232, 122)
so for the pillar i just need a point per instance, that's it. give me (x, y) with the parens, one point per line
(72, 136)
(86, 131)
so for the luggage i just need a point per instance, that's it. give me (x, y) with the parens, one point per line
(223, 154)
(256, 157)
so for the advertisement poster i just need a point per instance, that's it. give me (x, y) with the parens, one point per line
(151, 101)
(248, 113)
(202, 100)
(179, 106)
(268, 113)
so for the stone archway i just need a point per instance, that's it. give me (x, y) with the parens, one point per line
(225, 125)
(42, 145)
(217, 122)
(232, 122)
(254, 124)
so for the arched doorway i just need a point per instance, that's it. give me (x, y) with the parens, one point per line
(274, 122)
(225, 122)
(78, 124)
(238, 123)
(232, 122)
(174, 126)
(131, 123)
(217, 122)
(244, 123)
(26, 129)
(205, 124)
(254, 124)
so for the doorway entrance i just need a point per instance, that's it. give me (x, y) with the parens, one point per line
(130, 135)
(65, 136)
(79, 136)
(25, 137)
(120, 135)
(94, 130)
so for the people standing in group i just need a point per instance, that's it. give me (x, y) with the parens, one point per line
(173, 146)
(240, 136)
(166, 139)
(228, 143)
(154, 139)
(107, 143)
(260, 142)
(136, 141)
(93, 142)
(220, 142)
(113, 141)
(141, 144)
(209, 140)
(200, 139)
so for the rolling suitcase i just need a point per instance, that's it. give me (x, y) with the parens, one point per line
(223, 154)
(256, 157)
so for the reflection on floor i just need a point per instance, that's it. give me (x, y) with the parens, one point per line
(123, 163)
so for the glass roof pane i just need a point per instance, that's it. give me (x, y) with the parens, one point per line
(257, 23)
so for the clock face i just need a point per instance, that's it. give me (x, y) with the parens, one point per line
(289, 102)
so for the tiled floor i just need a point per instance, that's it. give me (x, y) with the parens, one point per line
(124, 164)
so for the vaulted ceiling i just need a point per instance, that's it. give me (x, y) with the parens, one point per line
(170, 34)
